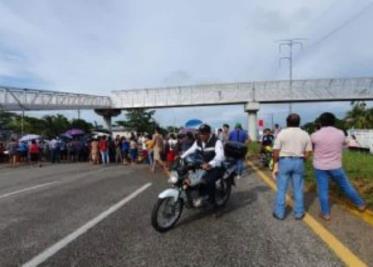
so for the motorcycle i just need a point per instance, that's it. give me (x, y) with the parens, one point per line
(266, 157)
(188, 187)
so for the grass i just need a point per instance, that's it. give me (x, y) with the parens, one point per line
(253, 150)
(358, 166)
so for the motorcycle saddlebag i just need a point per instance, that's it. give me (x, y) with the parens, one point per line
(235, 150)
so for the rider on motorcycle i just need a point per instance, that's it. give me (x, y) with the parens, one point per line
(212, 152)
(266, 148)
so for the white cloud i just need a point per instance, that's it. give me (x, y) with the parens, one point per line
(99, 46)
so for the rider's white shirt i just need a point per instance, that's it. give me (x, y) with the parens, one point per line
(219, 152)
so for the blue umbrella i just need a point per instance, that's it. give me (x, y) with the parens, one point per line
(193, 123)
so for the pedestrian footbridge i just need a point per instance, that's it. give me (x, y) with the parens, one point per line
(20, 99)
(250, 94)
(241, 93)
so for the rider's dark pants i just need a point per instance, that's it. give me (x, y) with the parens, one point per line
(210, 178)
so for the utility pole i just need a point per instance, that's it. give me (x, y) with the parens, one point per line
(272, 121)
(23, 122)
(290, 43)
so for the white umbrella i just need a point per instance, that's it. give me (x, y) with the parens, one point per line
(98, 134)
(29, 137)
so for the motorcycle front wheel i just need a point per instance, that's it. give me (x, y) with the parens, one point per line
(166, 212)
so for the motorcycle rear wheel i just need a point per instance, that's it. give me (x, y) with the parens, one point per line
(223, 192)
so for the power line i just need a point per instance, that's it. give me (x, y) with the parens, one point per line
(342, 26)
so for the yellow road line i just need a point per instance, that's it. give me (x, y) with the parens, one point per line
(366, 216)
(346, 255)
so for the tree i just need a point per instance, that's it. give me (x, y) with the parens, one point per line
(49, 126)
(172, 129)
(55, 125)
(34, 125)
(139, 120)
(81, 124)
(310, 127)
(359, 117)
(6, 118)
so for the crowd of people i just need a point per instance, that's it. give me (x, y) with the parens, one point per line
(35, 151)
(154, 150)
(157, 150)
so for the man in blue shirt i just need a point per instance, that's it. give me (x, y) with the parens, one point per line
(239, 135)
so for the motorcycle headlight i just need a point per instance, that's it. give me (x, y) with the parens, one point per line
(174, 177)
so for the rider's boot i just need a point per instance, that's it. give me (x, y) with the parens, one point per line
(200, 201)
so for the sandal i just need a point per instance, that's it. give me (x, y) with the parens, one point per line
(362, 208)
(325, 217)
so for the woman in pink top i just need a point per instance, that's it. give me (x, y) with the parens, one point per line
(328, 143)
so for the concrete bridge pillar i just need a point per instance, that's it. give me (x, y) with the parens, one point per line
(107, 114)
(107, 122)
(252, 109)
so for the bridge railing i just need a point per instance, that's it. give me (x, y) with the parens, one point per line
(31, 99)
(215, 94)
(315, 90)
(239, 93)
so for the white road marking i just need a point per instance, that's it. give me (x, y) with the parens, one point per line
(43, 256)
(27, 189)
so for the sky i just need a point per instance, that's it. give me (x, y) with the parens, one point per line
(98, 46)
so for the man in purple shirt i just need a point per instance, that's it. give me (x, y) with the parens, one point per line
(328, 145)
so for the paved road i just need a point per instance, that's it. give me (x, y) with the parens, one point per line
(73, 194)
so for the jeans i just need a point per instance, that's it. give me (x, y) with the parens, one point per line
(118, 156)
(133, 154)
(290, 169)
(104, 157)
(239, 167)
(341, 179)
(55, 155)
(210, 178)
(150, 158)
